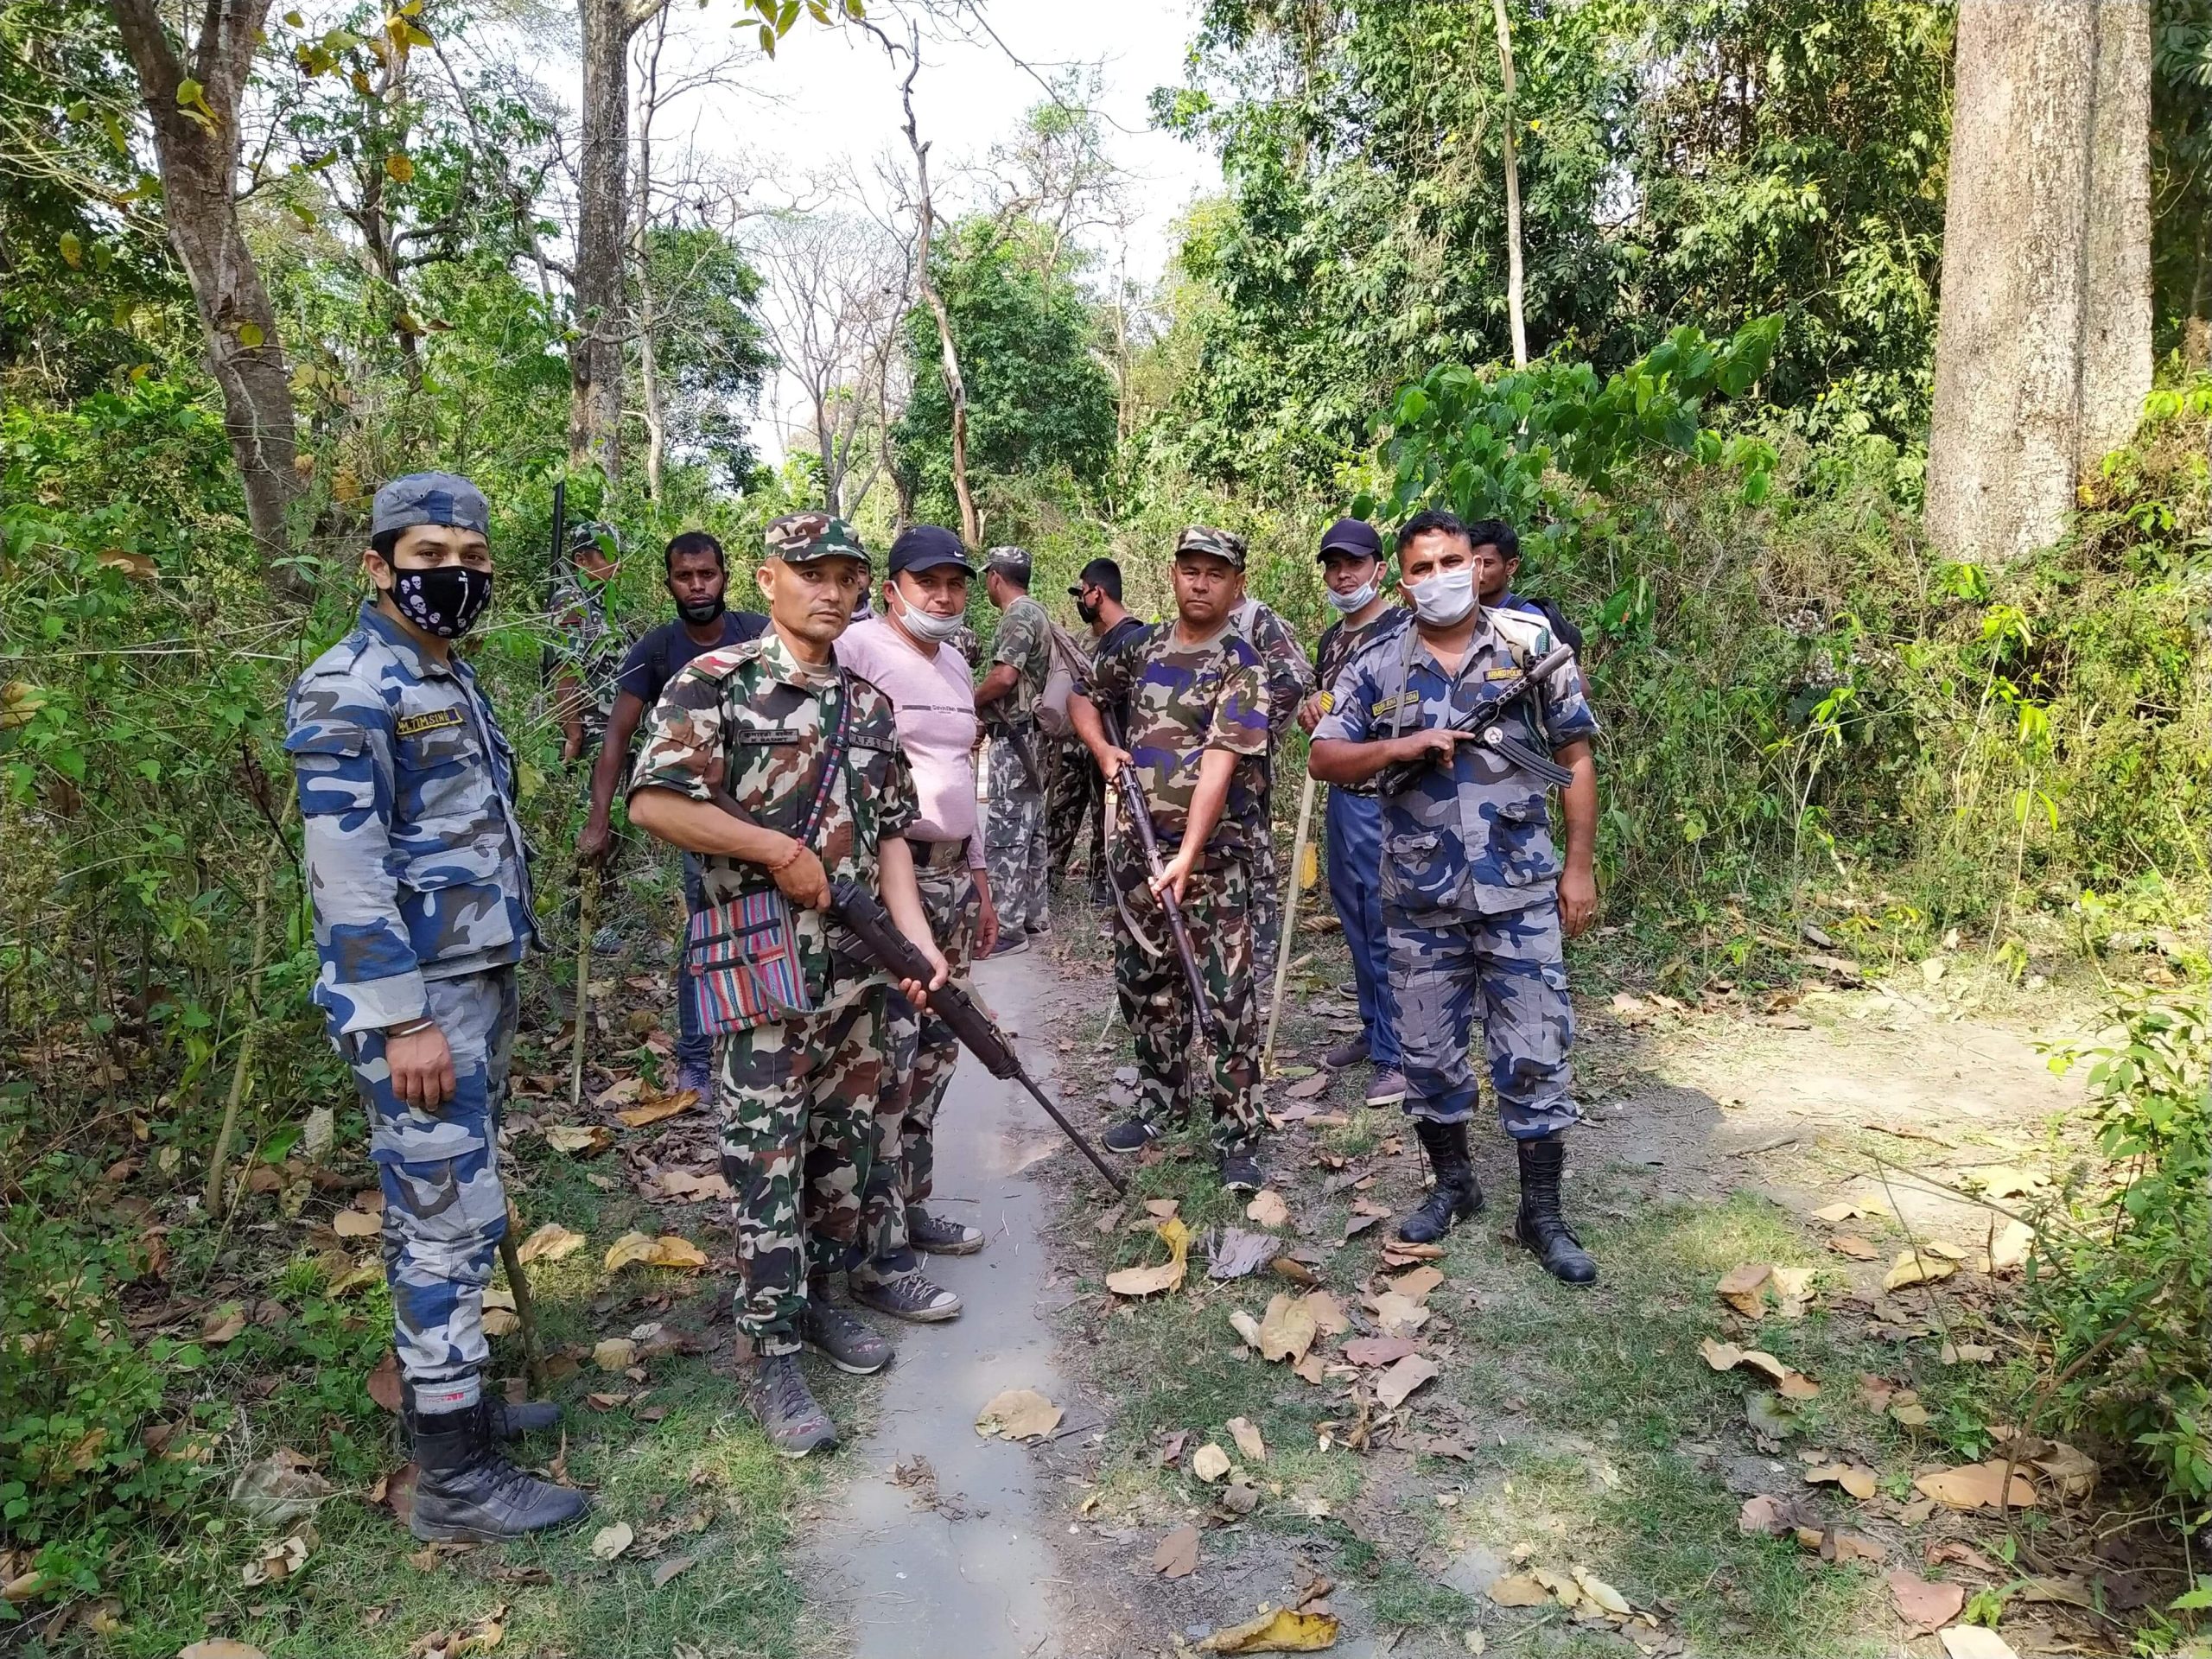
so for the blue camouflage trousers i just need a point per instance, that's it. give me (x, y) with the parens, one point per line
(1355, 838)
(444, 1209)
(1448, 965)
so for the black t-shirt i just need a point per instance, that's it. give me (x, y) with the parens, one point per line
(1112, 640)
(660, 656)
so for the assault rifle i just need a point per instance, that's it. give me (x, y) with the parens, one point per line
(1140, 818)
(1480, 720)
(885, 946)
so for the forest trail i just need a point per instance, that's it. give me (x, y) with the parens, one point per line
(957, 1562)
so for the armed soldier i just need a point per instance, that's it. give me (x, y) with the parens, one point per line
(588, 652)
(1006, 697)
(1352, 568)
(417, 872)
(1196, 743)
(1078, 789)
(908, 653)
(1474, 900)
(807, 754)
(1289, 678)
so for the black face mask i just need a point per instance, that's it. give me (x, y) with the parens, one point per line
(1087, 610)
(445, 600)
(703, 612)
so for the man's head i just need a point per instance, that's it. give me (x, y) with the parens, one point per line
(1006, 574)
(1209, 576)
(595, 548)
(429, 552)
(1498, 556)
(1099, 583)
(697, 576)
(814, 571)
(926, 591)
(1351, 563)
(1436, 568)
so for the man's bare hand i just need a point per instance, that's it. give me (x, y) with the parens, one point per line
(1309, 714)
(1111, 762)
(987, 926)
(940, 970)
(593, 842)
(422, 1069)
(804, 881)
(1437, 744)
(1175, 876)
(1578, 902)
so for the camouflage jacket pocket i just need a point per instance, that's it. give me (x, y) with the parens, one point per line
(1520, 852)
(453, 904)
(1422, 869)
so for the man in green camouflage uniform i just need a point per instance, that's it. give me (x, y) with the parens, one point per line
(1006, 697)
(587, 654)
(1197, 743)
(757, 722)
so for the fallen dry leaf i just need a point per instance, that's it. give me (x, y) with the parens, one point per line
(1979, 1487)
(1850, 1210)
(1744, 1288)
(1922, 1603)
(1858, 1249)
(1246, 1433)
(582, 1139)
(1854, 1478)
(1311, 1370)
(1763, 1516)
(674, 1565)
(354, 1223)
(1245, 1326)
(1177, 1556)
(1392, 1388)
(222, 1325)
(1377, 1351)
(659, 1107)
(1399, 1316)
(2003, 1180)
(1921, 1267)
(1309, 1088)
(549, 1244)
(1267, 1209)
(615, 1355)
(2073, 1470)
(1165, 1275)
(1596, 1591)
(1018, 1415)
(1328, 1317)
(1966, 1353)
(1415, 1287)
(668, 1250)
(1286, 1329)
(1236, 1253)
(1793, 1287)
(610, 1542)
(694, 1187)
(220, 1648)
(1283, 1631)
(2009, 1246)
(1518, 1590)
(1974, 1642)
(383, 1383)
(1795, 1385)
(620, 1093)
(1209, 1462)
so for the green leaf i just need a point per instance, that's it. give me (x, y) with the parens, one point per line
(72, 251)
(768, 39)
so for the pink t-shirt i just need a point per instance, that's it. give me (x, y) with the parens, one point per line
(934, 699)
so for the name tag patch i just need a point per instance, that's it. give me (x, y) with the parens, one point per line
(1383, 706)
(434, 720)
(1500, 673)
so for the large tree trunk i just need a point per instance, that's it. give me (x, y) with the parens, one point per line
(2043, 354)
(602, 201)
(196, 147)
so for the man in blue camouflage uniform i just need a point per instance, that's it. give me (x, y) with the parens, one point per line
(416, 867)
(1353, 569)
(1474, 900)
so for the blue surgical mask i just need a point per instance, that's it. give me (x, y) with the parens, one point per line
(1349, 604)
(1445, 598)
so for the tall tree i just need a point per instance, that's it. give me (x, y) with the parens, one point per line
(2042, 352)
(192, 90)
(1512, 189)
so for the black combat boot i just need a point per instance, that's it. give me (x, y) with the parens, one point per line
(1540, 1225)
(467, 1490)
(1457, 1196)
(512, 1419)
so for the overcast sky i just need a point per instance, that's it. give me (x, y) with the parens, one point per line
(828, 104)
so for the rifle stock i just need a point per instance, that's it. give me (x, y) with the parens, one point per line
(1140, 818)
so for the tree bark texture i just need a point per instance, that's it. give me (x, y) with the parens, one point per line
(2042, 355)
(1513, 302)
(602, 204)
(196, 147)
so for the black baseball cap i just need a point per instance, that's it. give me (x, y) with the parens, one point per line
(1353, 535)
(1103, 573)
(926, 547)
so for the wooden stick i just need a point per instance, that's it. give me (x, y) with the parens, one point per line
(587, 902)
(1289, 920)
(219, 1160)
(533, 1361)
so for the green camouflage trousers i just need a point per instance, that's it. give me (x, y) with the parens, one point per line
(1014, 834)
(923, 1052)
(799, 1136)
(1077, 792)
(1156, 999)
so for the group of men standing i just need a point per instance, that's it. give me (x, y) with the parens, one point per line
(824, 747)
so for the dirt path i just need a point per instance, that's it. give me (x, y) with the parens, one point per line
(956, 1563)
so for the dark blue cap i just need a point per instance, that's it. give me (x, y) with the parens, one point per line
(1353, 535)
(925, 547)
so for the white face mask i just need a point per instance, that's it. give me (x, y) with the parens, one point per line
(925, 625)
(1346, 604)
(1444, 598)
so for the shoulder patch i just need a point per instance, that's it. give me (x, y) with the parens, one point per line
(1517, 628)
(433, 719)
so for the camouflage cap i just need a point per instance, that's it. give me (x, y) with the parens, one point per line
(595, 533)
(1221, 543)
(1010, 562)
(802, 537)
(429, 499)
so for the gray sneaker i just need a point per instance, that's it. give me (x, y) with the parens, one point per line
(789, 1415)
(911, 1297)
(839, 1338)
(1350, 1051)
(939, 1236)
(1385, 1088)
